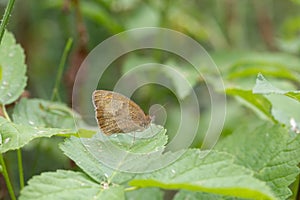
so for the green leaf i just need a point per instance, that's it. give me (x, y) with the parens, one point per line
(256, 101)
(145, 194)
(263, 86)
(41, 113)
(15, 136)
(270, 152)
(250, 68)
(184, 195)
(12, 63)
(64, 184)
(105, 157)
(244, 64)
(285, 103)
(89, 164)
(214, 172)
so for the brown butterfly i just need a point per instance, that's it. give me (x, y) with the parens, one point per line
(115, 113)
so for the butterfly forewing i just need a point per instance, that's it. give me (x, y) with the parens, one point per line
(116, 113)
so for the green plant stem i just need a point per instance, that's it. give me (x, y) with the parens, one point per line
(19, 153)
(61, 68)
(20, 166)
(6, 177)
(6, 16)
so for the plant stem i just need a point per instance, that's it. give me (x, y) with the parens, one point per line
(5, 113)
(6, 16)
(61, 68)
(6, 177)
(19, 153)
(20, 166)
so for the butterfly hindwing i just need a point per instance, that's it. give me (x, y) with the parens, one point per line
(116, 113)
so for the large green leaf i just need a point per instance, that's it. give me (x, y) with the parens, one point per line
(42, 113)
(89, 164)
(97, 155)
(12, 64)
(184, 195)
(66, 185)
(145, 194)
(15, 136)
(270, 152)
(214, 172)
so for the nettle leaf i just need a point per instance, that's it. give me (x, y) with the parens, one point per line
(263, 86)
(256, 101)
(145, 194)
(184, 195)
(285, 104)
(270, 152)
(214, 172)
(12, 64)
(109, 157)
(15, 136)
(42, 113)
(64, 184)
(89, 164)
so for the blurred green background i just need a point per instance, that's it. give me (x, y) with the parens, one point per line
(227, 29)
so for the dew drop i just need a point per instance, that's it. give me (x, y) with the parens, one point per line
(106, 175)
(42, 131)
(5, 83)
(6, 140)
(31, 122)
(173, 171)
(9, 94)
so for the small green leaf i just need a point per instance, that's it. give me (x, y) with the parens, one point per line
(64, 184)
(41, 113)
(214, 172)
(263, 86)
(12, 62)
(15, 136)
(270, 152)
(258, 102)
(285, 104)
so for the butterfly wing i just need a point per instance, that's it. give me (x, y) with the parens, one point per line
(116, 113)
